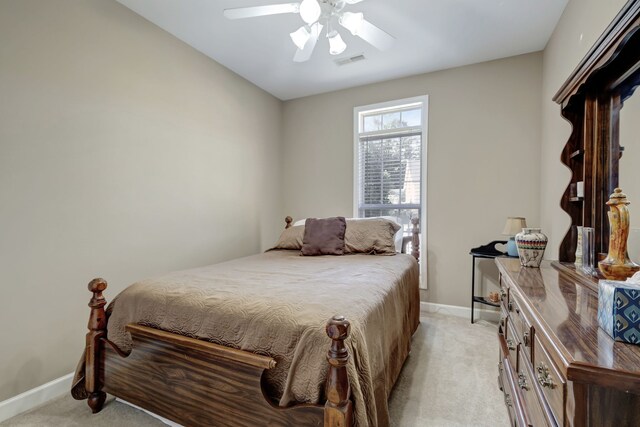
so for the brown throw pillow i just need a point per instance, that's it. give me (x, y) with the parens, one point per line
(324, 236)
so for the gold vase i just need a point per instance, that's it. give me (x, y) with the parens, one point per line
(617, 265)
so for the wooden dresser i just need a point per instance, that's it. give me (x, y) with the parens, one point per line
(557, 367)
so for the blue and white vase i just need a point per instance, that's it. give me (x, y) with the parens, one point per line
(531, 245)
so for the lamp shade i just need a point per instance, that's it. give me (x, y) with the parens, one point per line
(514, 225)
(301, 36)
(336, 44)
(310, 11)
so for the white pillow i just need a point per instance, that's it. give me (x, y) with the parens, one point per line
(397, 239)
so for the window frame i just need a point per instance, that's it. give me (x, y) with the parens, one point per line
(389, 105)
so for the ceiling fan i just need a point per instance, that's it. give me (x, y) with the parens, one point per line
(318, 14)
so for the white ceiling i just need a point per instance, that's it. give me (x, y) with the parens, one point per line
(430, 35)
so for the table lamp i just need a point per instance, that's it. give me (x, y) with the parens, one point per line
(514, 225)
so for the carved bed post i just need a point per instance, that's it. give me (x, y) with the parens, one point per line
(288, 220)
(94, 357)
(415, 238)
(338, 409)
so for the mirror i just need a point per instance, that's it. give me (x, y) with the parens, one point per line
(597, 99)
(629, 168)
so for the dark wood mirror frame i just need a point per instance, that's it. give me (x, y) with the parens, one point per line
(591, 100)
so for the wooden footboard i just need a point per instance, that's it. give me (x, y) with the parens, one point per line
(206, 384)
(197, 383)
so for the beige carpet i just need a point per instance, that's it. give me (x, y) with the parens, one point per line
(449, 380)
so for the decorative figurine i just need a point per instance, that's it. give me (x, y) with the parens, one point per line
(617, 265)
(494, 297)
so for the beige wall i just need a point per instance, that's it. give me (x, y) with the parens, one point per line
(124, 153)
(579, 27)
(483, 158)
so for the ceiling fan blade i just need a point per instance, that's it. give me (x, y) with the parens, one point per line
(251, 12)
(303, 55)
(375, 36)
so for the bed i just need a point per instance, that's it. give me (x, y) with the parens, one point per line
(244, 343)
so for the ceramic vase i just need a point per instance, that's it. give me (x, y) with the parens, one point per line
(578, 262)
(531, 245)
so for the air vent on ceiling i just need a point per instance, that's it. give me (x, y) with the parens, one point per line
(349, 60)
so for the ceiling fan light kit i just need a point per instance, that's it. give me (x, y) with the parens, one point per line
(303, 55)
(301, 36)
(318, 14)
(336, 44)
(310, 11)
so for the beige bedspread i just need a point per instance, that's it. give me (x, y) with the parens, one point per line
(277, 304)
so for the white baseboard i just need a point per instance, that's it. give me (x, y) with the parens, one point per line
(458, 311)
(35, 397)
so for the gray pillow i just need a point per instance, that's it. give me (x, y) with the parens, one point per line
(324, 236)
(291, 238)
(371, 236)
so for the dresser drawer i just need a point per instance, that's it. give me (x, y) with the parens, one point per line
(521, 326)
(550, 381)
(512, 397)
(503, 322)
(524, 330)
(511, 339)
(502, 354)
(507, 392)
(514, 310)
(504, 294)
(532, 396)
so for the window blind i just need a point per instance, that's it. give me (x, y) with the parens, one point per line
(389, 163)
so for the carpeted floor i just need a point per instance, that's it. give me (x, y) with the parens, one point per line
(448, 380)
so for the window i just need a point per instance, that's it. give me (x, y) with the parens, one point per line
(390, 149)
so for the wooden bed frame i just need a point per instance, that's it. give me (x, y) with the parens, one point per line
(197, 383)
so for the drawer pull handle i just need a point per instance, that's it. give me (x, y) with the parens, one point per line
(507, 400)
(503, 294)
(502, 320)
(510, 345)
(544, 379)
(525, 339)
(522, 381)
(510, 305)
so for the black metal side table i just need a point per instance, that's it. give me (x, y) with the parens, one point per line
(486, 251)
